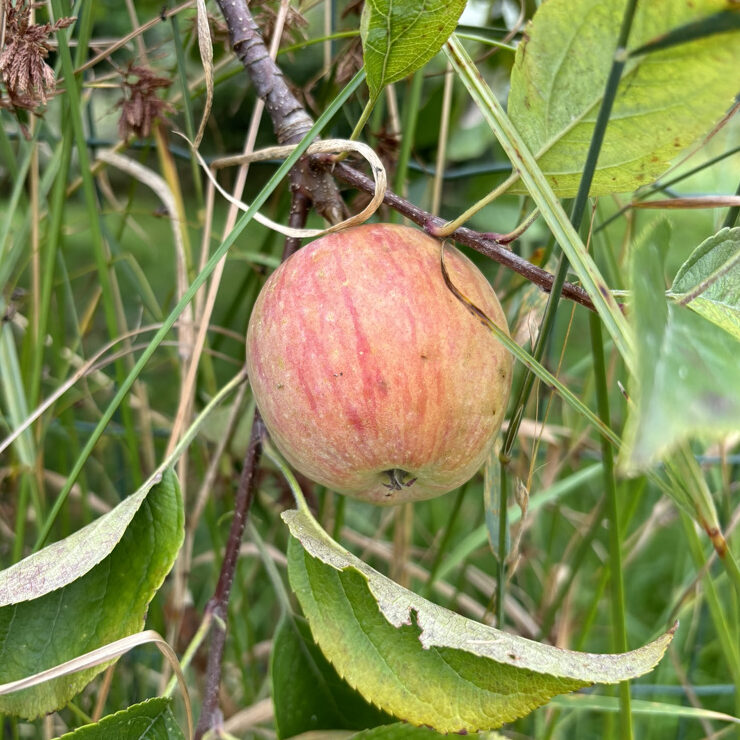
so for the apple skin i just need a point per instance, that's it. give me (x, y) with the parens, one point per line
(371, 377)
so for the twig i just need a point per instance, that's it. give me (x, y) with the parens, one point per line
(289, 118)
(470, 238)
(299, 208)
(210, 715)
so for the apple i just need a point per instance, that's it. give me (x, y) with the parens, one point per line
(372, 378)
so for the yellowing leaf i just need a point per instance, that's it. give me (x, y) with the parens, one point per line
(665, 100)
(425, 664)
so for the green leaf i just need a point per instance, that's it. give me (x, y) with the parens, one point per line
(687, 376)
(425, 664)
(307, 692)
(63, 562)
(665, 100)
(149, 720)
(401, 36)
(55, 605)
(709, 281)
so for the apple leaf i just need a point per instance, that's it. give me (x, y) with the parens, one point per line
(55, 607)
(687, 376)
(63, 562)
(401, 36)
(307, 692)
(665, 100)
(150, 720)
(425, 664)
(709, 281)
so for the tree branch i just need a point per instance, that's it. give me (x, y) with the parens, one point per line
(291, 122)
(289, 118)
(470, 238)
(210, 715)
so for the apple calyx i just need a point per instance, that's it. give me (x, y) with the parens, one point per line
(398, 479)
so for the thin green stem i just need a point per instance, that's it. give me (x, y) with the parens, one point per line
(408, 131)
(615, 542)
(366, 112)
(503, 528)
(451, 226)
(732, 213)
(450, 522)
(485, 40)
(318, 40)
(295, 488)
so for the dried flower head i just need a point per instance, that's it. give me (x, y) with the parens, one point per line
(141, 105)
(28, 79)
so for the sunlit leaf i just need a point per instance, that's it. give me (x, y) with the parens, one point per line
(150, 720)
(709, 281)
(55, 607)
(425, 664)
(307, 693)
(665, 100)
(687, 378)
(401, 36)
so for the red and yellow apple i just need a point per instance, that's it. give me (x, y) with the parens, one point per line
(372, 378)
